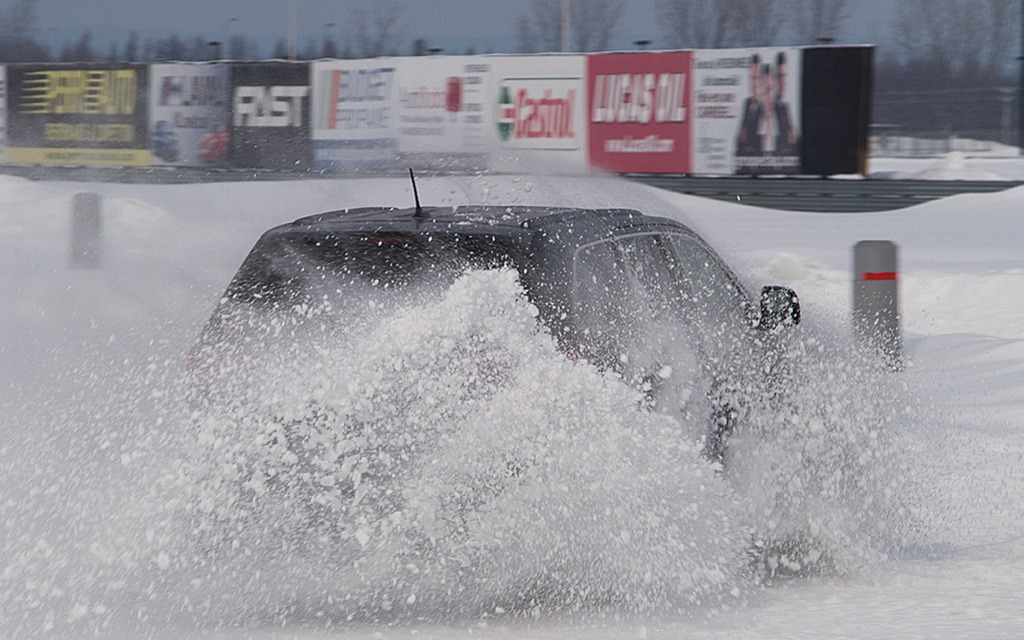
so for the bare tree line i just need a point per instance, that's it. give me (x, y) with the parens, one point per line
(593, 24)
(975, 34)
(375, 30)
(953, 69)
(955, 34)
(686, 24)
(971, 33)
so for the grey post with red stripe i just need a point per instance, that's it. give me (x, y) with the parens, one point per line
(876, 315)
(86, 246)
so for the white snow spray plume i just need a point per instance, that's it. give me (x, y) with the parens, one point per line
(828, 469)
(441, 460)
(449, 460)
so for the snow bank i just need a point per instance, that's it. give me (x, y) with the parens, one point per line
(122, 513)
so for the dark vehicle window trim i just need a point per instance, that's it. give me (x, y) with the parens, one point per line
(282, 260)
(665, 247)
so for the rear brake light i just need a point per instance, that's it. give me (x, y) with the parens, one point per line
(572, 353)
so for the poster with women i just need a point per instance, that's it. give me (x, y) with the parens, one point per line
(747, 111)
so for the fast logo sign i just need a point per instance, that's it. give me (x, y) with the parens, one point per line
(639, 111)
(280, 106)
(270, 115)
(539, 113)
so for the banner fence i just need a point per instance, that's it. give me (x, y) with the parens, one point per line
(778, 110)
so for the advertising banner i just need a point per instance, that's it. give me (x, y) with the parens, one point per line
(353, 115)
(77, 115)
(638, 105)
(270, 115)
(439, 111)
(537, 111)
(188, 114)
(747, 111)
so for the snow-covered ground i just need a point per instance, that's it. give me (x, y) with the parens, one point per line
(96, 441)
(951, 166)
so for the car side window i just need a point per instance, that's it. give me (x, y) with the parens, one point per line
(650, 270)
(604, 302)
(623, 287)
(709, 289)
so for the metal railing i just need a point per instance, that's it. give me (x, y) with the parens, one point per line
(821, 194)
(787, 193)
(923, 147)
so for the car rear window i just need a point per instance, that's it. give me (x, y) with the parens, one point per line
(291, 268)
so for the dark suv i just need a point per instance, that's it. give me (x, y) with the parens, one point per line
(642, 297)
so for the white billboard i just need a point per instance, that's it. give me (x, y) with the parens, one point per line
(353, 125)
(188, 114)
(439, 111)
(507, 113)
(537, 113)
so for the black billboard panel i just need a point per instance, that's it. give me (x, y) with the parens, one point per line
(836, 109)
(270, 115)
(83, 114)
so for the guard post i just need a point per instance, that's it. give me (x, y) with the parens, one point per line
(86, 232)
(876, 317)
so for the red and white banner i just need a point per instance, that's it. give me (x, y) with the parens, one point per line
(638, 110)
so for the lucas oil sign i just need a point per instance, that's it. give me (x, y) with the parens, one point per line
(638, 110)
(538, 113)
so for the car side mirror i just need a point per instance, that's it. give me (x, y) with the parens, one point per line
(780, 307)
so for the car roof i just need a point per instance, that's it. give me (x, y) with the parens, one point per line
(584, 224)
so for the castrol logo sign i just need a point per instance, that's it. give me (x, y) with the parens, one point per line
(540, 113)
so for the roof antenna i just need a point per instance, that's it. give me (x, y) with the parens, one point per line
(415, 194)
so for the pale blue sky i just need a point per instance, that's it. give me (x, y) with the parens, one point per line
(485, 25)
